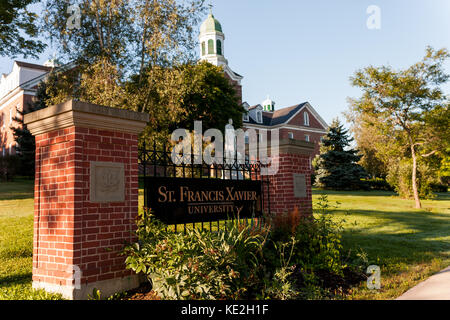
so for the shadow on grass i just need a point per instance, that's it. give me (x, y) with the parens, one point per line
(23, 278)
(400, 236)
(361, 193)
(17, 190)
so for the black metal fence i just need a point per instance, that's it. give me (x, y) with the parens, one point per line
(156, 161)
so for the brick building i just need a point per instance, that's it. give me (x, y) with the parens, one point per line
(17, 90)
(300, 122)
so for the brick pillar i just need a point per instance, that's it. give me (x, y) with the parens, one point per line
(290, 187)
(86, 197)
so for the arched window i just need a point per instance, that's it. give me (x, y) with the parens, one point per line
(219, 47)
(210, 46)
(306, 118)
(203, 48)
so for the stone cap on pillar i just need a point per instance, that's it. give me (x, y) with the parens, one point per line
(291, 146)
(86, 115)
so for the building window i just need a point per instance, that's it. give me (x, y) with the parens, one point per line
(291, 135)
(259, 117)
(307, 137)
(306, 118)
(245, 117)
(247, 138)
(219, 47)
(210, 46)
(203, 48)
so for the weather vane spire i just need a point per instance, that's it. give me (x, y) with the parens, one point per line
(210, 5)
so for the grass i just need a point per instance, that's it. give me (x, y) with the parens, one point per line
(408, 244)
(16, 242)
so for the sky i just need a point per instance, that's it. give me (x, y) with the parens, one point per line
(297, 51)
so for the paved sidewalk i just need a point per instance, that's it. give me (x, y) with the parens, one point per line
(436, 287)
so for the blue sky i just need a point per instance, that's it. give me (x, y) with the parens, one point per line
(298, 51)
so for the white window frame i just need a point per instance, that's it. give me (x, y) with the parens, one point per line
(291, 135)
(306, 118)
(259, 118)
(307, 138)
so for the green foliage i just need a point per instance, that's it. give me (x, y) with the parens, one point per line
(405, 115)
(378, 184)
(400, 178)
(96, 295)
(336, 167)
(198, 264)
(296, 262)
(176, 97)
(16, 23)
(281, 286)
(26, 147)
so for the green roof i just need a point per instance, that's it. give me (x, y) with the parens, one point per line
(210, 25)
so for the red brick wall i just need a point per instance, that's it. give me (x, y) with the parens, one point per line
(282, 198)
(298, 120)
(236, 87)
(6, 133)
(68, 228)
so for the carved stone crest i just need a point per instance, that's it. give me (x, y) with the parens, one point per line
(107, 182)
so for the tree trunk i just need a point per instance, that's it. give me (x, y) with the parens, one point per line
(414, 178)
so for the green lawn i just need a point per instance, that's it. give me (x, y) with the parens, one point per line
(16, 241)
(408, 244)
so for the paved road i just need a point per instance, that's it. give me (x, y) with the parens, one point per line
(436, 287)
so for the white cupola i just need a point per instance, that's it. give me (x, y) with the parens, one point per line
(212, 41)
(268, 105)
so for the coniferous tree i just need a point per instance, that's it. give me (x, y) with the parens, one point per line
(336, 166)
(25, 140)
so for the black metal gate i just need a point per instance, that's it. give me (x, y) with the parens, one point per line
(209, 188)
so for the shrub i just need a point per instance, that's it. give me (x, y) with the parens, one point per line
(198, 264)
(399, 177)
(315, 265)
(439, 187)
(379, 184)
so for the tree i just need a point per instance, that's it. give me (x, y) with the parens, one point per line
(365, 136)
(140, 55)
(399, 104)
(17, 23)
(129, 35)
(176, 97)
(336, 166)
(26, 146)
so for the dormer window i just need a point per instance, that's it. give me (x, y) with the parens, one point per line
(259, 118)
(306, 118)
(245, 116)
